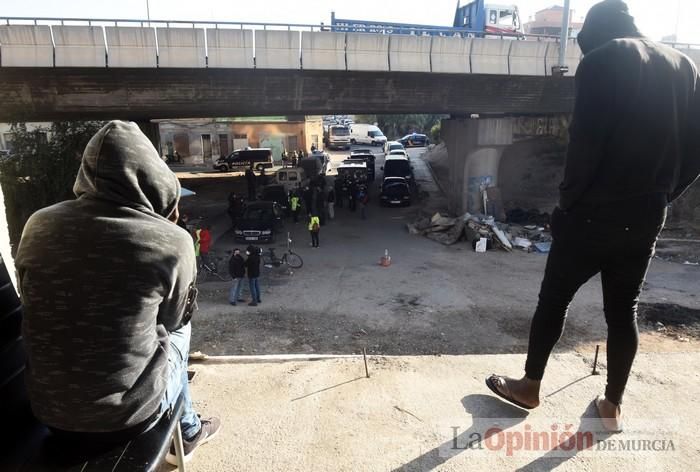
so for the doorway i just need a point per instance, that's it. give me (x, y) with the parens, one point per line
(206, 147)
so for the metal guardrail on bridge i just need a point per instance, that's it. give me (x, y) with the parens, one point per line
(113, 43)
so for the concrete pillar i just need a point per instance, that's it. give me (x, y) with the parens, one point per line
(474, 149)
(152, 132)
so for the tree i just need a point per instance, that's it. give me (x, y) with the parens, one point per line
(41, 168)
(396, 126)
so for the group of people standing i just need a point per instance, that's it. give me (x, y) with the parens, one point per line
(201, 237)
(241, 268)
(354, 191)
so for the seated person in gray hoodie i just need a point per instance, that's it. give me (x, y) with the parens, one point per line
(107, 282)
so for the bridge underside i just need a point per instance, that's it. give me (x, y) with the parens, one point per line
(46, 94)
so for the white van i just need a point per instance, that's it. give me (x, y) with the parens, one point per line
(366, 134)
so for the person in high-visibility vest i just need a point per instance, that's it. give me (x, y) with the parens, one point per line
(314, 229)
(295, 205)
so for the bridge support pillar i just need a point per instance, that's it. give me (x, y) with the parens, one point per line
(152, 132)
(474, 149)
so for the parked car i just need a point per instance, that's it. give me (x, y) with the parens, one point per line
(290, 177)
(392, 146)
(360, 151)
(366, 134)
(414, 140)
(395, 191)
(260, 158)
(259, 223)
(398, 166)
(356, 171)
(399, 152)
(277, 194)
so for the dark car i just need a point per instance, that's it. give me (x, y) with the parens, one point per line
(259, 223)
(259, 158)
(395, 191)
(395, 166)
(414, 140)
(278, 194)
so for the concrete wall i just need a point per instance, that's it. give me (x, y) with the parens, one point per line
(573, 57)
(323, 50)
(367, 52)
(79, 46)
(527, 57)
(25, 46)
(490, 56)
(474, 151)
(181, 47)
(131, 46)
(230, 48)
(409, 53)
(277, 49)
(451, 55)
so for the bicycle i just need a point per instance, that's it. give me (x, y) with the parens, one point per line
(289, 258)
(217, 267)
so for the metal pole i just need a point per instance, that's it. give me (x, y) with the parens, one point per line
(564, 33)
(148, 13)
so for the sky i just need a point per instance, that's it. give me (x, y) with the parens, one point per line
(655, 18)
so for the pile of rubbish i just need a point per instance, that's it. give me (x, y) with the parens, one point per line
(483, 233)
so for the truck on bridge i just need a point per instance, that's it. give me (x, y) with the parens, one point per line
(475, 19)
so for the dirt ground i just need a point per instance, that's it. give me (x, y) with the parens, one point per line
(433, 299)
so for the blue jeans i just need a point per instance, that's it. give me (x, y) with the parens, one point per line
(177, 381)
(235, 293)
(254, 289)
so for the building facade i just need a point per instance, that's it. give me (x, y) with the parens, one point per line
(548, 22)
(202, 141)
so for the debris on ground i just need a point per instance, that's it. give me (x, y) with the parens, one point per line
(482, 232)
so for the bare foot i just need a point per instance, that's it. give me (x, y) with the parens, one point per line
(524, 390)
(610, 414)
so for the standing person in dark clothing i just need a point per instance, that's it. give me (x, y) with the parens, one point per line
(634, 147)
(251, 181)
(352, 195)
(363, 200)
(252, 265)
(331, 203)
(339, 194)
(308, 197)
(294, 205)
(236, 268)
(321, 205)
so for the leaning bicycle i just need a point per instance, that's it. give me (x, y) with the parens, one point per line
(290, 258)
(216, 268)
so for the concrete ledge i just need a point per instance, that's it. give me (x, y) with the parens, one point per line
(451, 55)
(367, 52)
(230, 48)
(79, 46)
(277, 50)
(323, 50)
(490, 56)
(573, 57)
(527, 58)
(26, 46)
(131, 47)
(409, 53)
(269, 358)
(181, 47)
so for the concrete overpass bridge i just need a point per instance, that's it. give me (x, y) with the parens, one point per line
(56, 69)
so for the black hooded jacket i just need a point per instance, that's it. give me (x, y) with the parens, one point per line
(636, 124)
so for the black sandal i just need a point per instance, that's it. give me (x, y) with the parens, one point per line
(491, 383)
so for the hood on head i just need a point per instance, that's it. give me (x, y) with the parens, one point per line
(606, 21)
(121, 165)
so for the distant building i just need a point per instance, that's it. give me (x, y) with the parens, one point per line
(548, 22)
(200, 141)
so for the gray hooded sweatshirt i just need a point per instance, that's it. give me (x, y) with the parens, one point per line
(103, 279)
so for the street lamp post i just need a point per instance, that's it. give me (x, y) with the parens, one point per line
(561, 68)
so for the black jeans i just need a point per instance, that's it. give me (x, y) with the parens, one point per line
(314, 238)
(616, 239)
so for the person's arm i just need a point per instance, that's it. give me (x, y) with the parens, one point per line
(690, 164)
(178, 304)
(596, 87)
